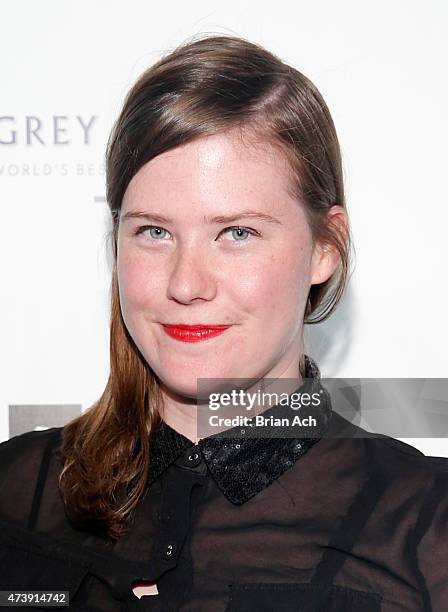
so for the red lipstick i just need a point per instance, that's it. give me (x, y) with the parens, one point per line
(194, 333)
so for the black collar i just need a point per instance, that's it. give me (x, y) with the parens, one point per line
(243, 466)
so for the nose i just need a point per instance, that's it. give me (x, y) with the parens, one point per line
(191, 277)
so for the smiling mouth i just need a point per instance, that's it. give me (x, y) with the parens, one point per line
(194, 333)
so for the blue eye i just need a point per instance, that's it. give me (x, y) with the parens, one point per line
(151, 228)
(156, 229)
(237, 231)
(240, 229)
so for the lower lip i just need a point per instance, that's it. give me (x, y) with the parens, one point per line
(192, 334)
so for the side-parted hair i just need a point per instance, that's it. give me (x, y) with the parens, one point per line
(204, 86)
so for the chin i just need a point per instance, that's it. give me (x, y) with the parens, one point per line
(177, 381)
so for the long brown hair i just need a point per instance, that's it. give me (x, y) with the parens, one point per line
(204, 86)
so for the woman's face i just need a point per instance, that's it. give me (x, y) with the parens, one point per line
(194, 268)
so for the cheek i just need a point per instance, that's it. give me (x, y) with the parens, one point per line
(139, 287)
(277, 285)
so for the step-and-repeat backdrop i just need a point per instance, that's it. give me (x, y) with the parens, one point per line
(65, 68)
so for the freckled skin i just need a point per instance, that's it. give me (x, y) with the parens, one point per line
(193, 272)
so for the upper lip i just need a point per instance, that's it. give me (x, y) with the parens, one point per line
(196, 326)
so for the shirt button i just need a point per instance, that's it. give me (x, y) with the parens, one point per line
(170, 550)
(193, 458)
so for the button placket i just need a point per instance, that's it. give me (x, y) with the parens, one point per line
(175, 506)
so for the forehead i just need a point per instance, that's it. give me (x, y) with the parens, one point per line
(220, 167)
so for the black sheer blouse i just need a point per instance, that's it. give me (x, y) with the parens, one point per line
(346, 522)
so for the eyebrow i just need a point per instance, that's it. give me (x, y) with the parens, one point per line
(245, 214)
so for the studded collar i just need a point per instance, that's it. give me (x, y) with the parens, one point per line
(243, 466)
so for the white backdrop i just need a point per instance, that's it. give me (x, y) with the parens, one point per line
(65, 68)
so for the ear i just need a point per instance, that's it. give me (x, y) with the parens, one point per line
(325, 258)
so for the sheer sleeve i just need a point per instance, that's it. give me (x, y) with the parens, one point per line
(431, 541)
(21, 459)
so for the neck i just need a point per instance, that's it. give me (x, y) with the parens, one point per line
(181, 412)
